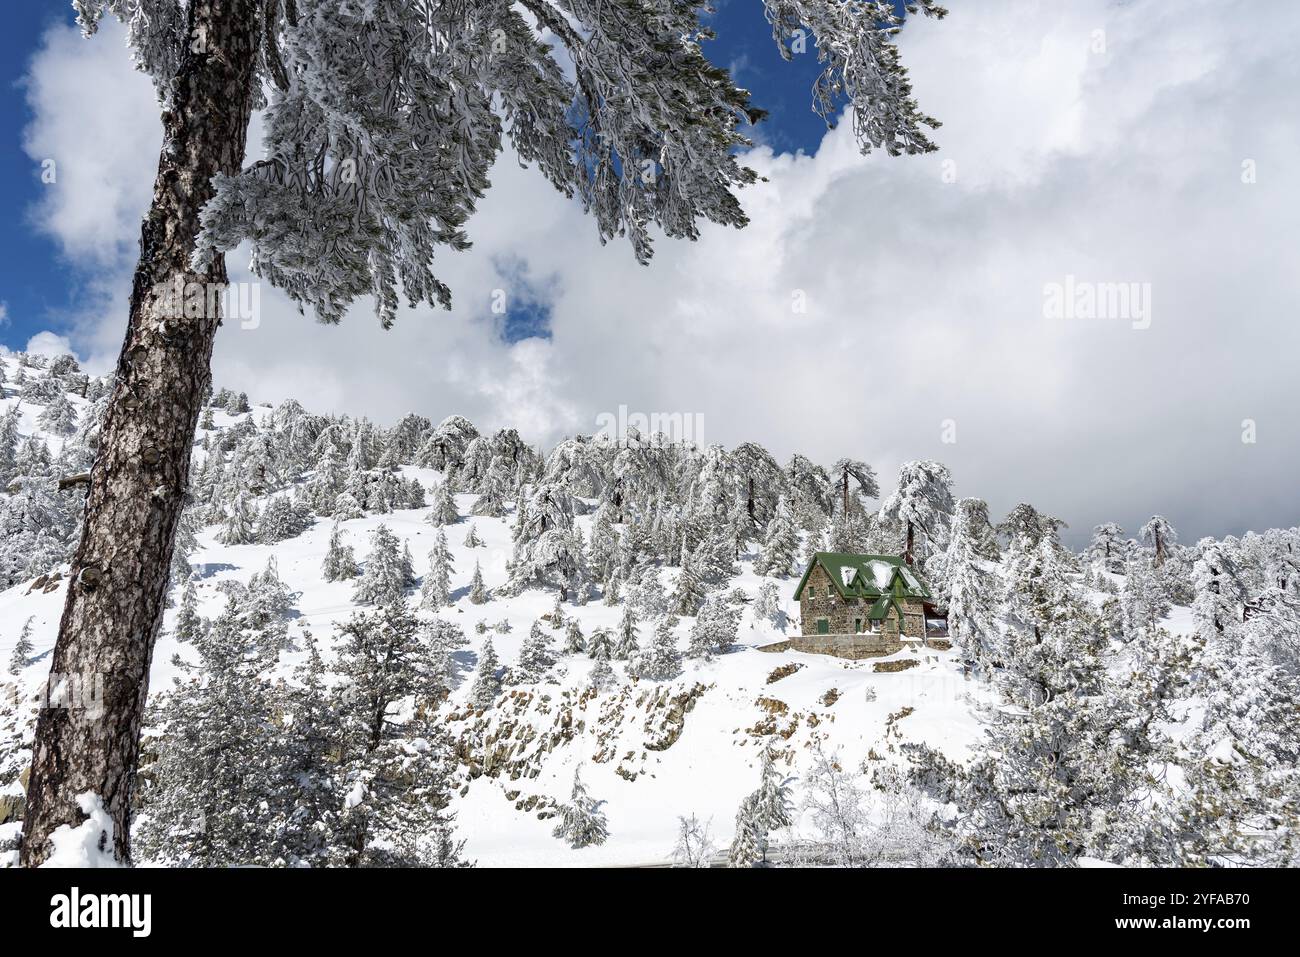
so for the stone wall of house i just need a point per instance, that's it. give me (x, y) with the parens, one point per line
(840, 613)
(914, 618)
(827, 604)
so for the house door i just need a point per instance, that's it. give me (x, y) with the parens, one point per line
(823, 626)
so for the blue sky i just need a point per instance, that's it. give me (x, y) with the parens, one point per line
(35, 284)
(40, 287)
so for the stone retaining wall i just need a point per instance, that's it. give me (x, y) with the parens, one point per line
(841, 646)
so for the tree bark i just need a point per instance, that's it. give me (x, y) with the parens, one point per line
(119, 576)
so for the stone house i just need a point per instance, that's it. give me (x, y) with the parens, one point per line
(871, 600)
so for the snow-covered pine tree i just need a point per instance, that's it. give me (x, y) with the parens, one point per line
(611, 596)
(435, 592)
(340, 562)
(477, 590)
(59, 416)
(491, 503)
(443, 511)
(971, 593)
(601, 646)
(661, 661)
(219, 779)
(282, 519)
(387, 572)
(772, 799)
(381, 660)
(240, 525)
(535, 657)
(602, 550)
(767, 606)
(9, 445)
(487, 683)
(980, 527)
(394, 771)
(854, 481)
(714, 631)
(627, 646)
(187, 526)
(767, 809)
(188, 623)
(310, 738)
(747, 844)
(780, 546)
(574, 642)
(1159, 534)
(1109, 547)
(472, 539)
(546, 550)
(582, 822)
(923, 503)
(1143, 598)
(1239, 803)
(22, 651)
(1040, 592)
(602, 676)
(1025, 528)
(1075, 767)
(688, 591)
(1219, 606)
(557, 612)
(444, 639)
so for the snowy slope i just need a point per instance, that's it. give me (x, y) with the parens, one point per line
(651, 751)
(706, 771)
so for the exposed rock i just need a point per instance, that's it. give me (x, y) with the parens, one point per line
(785, 671)
(889, 667)
(12, 807)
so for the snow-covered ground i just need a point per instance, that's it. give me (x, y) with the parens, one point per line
(706, 771)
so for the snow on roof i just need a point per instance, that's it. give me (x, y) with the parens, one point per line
(846, 574)
(881, 573)
(909, 578)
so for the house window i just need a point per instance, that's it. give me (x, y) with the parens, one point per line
(857, 625)
(812, 592)
(823, 626)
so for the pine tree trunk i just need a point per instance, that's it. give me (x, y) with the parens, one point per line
(120, 570)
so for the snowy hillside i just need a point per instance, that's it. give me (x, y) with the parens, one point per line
(657, 735)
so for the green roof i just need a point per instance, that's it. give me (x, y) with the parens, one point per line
(867, 576)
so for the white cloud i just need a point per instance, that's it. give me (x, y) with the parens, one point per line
(924, 297)
(48, 344)
(97, 121)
